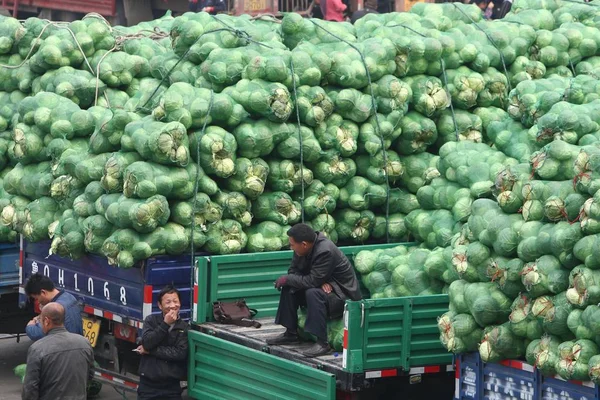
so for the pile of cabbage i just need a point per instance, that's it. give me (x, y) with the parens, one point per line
(507, 223)
(478, 140)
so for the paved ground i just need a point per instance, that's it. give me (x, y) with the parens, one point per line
(13, 354)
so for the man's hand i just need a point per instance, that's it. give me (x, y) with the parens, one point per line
(327, 288)
(140, 349)
(208, 9)
(33, 321)
(171, 317)
(281, 282)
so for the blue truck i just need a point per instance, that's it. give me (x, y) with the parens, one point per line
(13, 319)
(114, 301)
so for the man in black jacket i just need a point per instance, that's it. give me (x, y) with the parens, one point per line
(164, 350)
(320, 278)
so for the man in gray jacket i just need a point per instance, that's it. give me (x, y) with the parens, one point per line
(60, 364)
(320, 278)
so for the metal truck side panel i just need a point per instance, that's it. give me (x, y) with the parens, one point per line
(224, 370)
(9, 267)
(129, 293)
(396, 333)
(249, 276)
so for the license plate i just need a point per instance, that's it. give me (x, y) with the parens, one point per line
(91, 330)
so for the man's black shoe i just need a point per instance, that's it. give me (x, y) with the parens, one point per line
(284, 338)
(317, 350)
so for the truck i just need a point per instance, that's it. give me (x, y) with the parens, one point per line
(114, 301)
(14, 319)
(390, 345)
(514, 379)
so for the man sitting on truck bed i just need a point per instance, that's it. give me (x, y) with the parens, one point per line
(320, 278)
(41, 288)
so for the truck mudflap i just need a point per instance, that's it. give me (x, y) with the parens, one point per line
(220, 369)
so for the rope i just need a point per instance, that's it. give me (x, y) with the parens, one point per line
(227, 28)
(61, 25)
(31, 50)
(78, 46)
(98, 16)
(240, 33)
(377, 127)
(119, 41)
(237, 32)
(491, 41)
(444, 76)
(567, 92)
(449, 95)
(182, 58)
(572, 67)
(98, 74)
(406, 27)
(196, 186)
(299, 136)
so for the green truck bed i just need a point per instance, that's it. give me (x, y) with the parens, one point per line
(383, 337)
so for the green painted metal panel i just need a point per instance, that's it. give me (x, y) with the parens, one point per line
(425, 345)
(385, 339)
(200, 282)
(250, 276)
(222, 370)
(354, 323)
(395, 333)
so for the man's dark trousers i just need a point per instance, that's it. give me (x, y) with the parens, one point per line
(319, 305)
(149, 390)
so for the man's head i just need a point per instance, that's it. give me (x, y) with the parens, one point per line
(302, 238)
(482, 4)
(41, 288)
(52, 316)
(168, 299)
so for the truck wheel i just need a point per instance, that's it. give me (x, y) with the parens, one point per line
(93, 389)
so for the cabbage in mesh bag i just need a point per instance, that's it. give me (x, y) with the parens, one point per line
(459, 333)
(574, 359)
(543, 353)
(500, 343)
